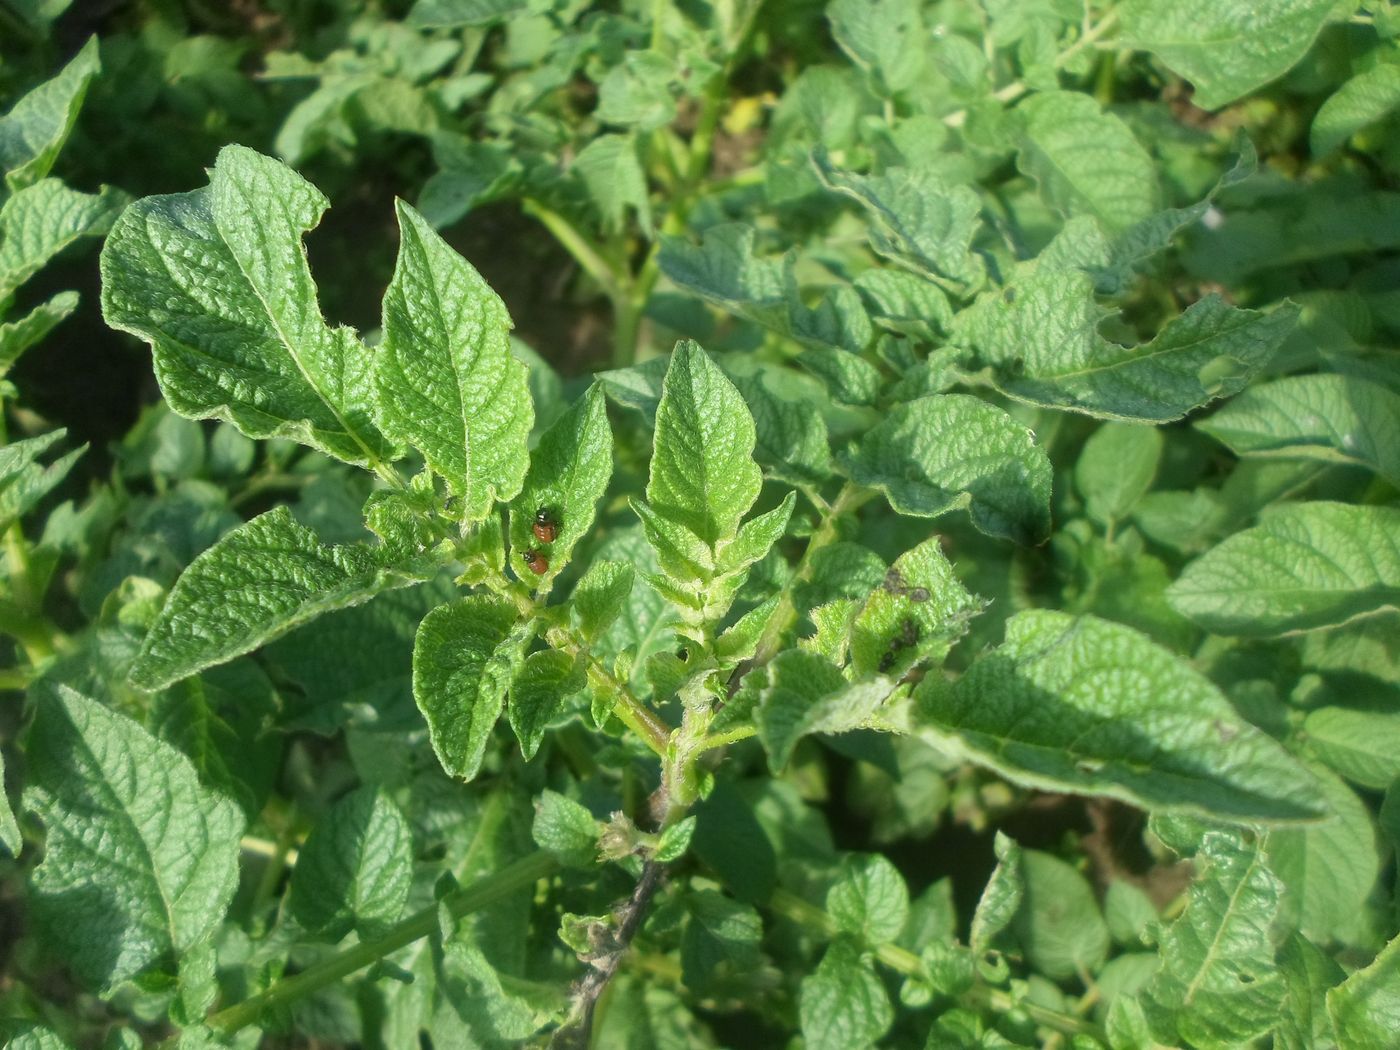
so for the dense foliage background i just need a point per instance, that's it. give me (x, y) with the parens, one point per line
(989, 638)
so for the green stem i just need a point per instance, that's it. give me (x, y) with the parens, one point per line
(804, 913)
(627, 328)
(658, 25)
(514, 876)
(14, 679)
(635, 715)
(630, 711)
(632, 306)
(585, 253)
(274, 482)
(37, 637)
(273, 869)
(733, 736)
(1016, 88)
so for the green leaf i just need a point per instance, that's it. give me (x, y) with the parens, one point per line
(837, 322)
(566, 829)
(1116, 469)
(882, 37)
(23, 481)
(41, 220)
(914, 615)
(720, 943)
(1364, 99)
(136, 869)
(1365, 1009)
(920, 221)
(740, 640)
(1328, 869)
(25, 1035)
(1146, 239)
(480, 1005)
(445, 379)
(217, 282)
(354, 661)
(1040, 335)
(1129, 913)
(34, 131)
(723, 269)
(612, 173)
(675, 841)
(1331, 418)
(636, 93)
(703, 480)
(17, 456)
(220, 721)
(905, 303)
(355, 869)
(732, 842)
(462, 662)
(849, 379)
(18, 336)
(1218, 986)
(601, 595)
(951, 451)
(1226, 48)
(10, 836)
(791, 433)
(1059, 923)
(470, 173)
(804, 694)
(1363, 746)
(449, 14)
(1304, 566)
(703, 476)
(1001, 897)
(646, 624)
(537, 695)
(569, 472)
(843, 1004)
(257, 583)
(1371, 647)
(1304, 1024)
(869, 899)
(680, 554)
(1086, 161)
(638, 387)
(757, 536)
(1092, 707)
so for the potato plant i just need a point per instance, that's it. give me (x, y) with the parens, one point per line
(941, 588)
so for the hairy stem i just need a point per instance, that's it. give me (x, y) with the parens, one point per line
(574, 1035)
(630, 711)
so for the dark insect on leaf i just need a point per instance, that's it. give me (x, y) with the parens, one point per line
(537, 562)
(545, 525)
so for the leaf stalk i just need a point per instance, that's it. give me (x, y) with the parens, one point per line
(525, 871)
